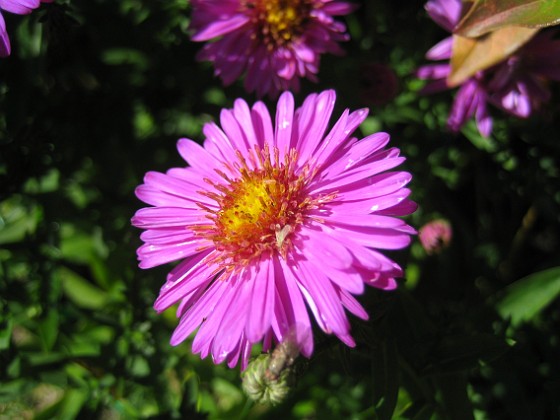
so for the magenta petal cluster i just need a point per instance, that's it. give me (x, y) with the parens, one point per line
(273, 219)
(19, 7)
(517, 85)
(273, 42)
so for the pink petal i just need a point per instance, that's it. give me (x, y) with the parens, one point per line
(198, 157)
(151, 255)
(358, 152)
(200, 310)
(233, 322)
(294, 306)
(261, 302)
(321, 297)
(155, 217)
(313, 120)
(193, 273)
(441, 51)
(284, 123)
(375, 187)
(19, 7)
(5, 47)
(324, 250)
(359, 173)
(262, 123)
(352, 304)
(234, 132)
(220, 27)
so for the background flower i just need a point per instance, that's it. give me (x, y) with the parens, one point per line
(517, 85)
(471, 98)
(271, 217)
(435, 236)
(274, 42)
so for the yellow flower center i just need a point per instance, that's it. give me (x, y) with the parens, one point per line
(278, 22)
(260, 211)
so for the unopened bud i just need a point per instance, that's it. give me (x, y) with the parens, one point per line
(435, 236)
(260, 386)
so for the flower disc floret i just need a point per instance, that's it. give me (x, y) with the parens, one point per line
(259, 211)
(279, 21)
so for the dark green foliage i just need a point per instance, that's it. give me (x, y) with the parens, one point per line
(97, 92)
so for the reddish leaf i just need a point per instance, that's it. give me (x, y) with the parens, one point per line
(472, 55)
(489, 15)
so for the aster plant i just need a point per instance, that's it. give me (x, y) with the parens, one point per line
(274, 43)
(516, 85)
(18, 7)
(271, 219)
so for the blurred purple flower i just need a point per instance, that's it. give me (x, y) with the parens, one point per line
(19, 7)
(274, 42)
(272, 218)
(435, 236)
(517, 85)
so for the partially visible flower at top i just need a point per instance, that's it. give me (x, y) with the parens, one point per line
(19, 7)
(517, 85)
(435, 236)
(271, 217)
(275, 42)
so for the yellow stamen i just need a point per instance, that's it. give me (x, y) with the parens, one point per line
(279, 21)
(261, 210)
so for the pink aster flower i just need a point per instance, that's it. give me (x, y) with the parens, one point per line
(272, 219)
(435, 236)
(275, 42)
(471, 98)
(518, 85)
(19, 7)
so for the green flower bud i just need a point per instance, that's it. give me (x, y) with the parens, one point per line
(261, 387)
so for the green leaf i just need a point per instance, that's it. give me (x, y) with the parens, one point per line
(11, 390)
(72, 403)
(459, 353)
(6, 333)
(489, 15)
(527, 297)
(228, 395)
(419, 411)
(45, 359)
(17, 220)
(81, 247)
(80, 291)
(48, 329)
(454, 395)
